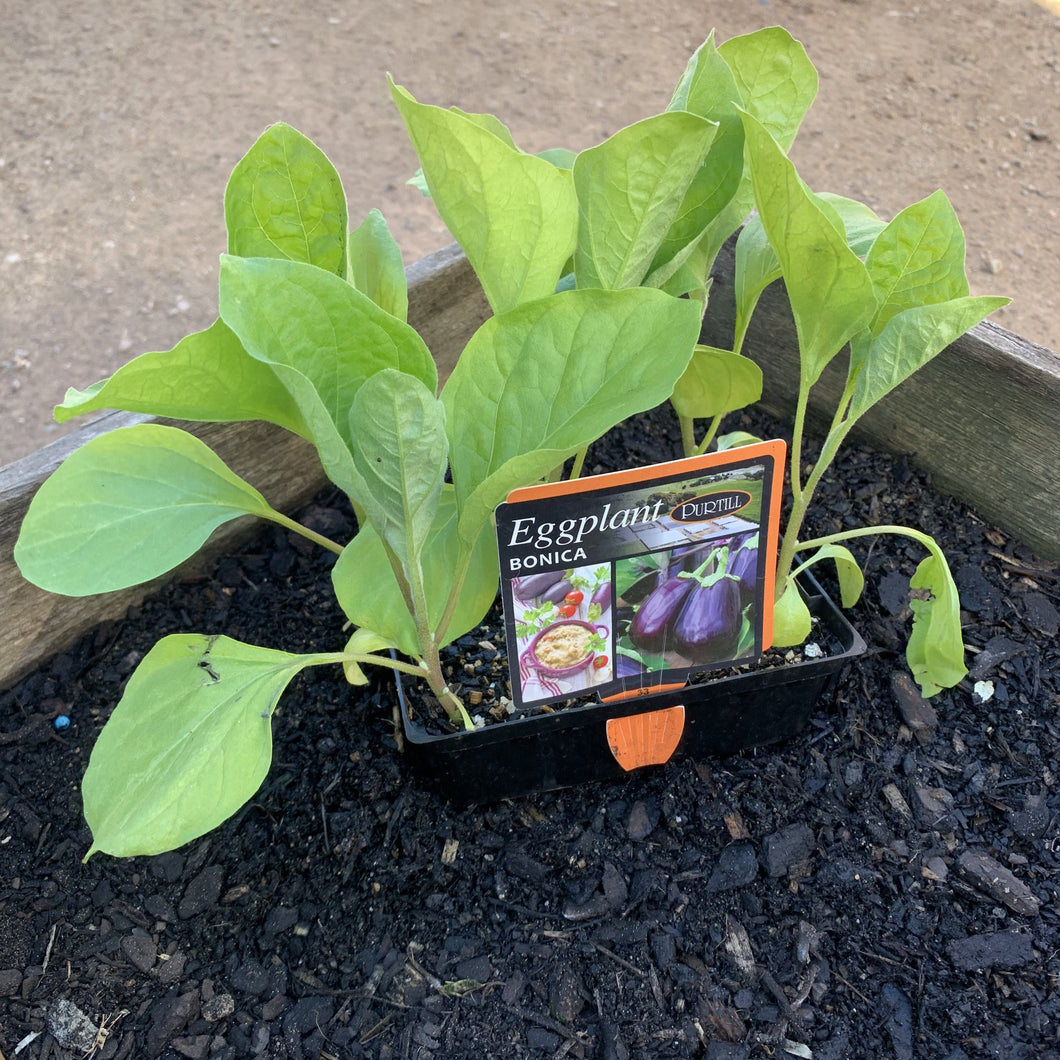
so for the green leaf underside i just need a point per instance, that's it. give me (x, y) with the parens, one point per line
(207, 376)
(188, 744)
(285, 200)
(368, 592)
(402, 456)
(828, 286)
(554, 375)
(127, 507)
(629, 191)
(376, 267)
(851, 578)
(292, 315)
(935, 652)
(716, 382)
(514, 215)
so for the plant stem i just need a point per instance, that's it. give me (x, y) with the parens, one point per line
(712, 431)
(298, 528)
(579, 463)
(688, 435)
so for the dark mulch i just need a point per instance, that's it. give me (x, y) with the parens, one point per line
(883, 886)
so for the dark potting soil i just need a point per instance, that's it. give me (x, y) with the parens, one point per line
(884, 885)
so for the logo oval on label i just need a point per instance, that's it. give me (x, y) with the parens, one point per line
(711, 506)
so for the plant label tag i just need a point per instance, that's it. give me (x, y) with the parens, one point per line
(634, 581)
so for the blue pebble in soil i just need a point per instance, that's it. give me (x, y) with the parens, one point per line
(61, 722)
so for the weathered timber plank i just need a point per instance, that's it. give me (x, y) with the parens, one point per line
(446, 304)
(983, 417)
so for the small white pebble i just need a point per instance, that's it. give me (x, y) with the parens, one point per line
(983, 691)
(813, 651)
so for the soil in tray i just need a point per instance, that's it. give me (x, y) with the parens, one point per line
(885, 885)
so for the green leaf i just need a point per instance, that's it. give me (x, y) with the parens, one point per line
(935, 651)
(368, 592)
(206, 376)
(188, 744)
(776, 83)
(775, 79)
(716, 382)
(402, 455)
(515, 215)
(127, 507)
(554, 375)
(907, 342)
(708, 89)
(289, 314)
(851, 579)
(362, 642)
(375, 266)
(629, 191)
(285, 200)
(757, 265)
(734, 439)
(791, 618)
(829, 288)
(918, 259)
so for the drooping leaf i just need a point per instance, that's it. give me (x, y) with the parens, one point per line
(907, 342)
(828, 286)
(369, 595)
(734, 439)
(851, 578)
(363, 642)
(402, 455)
(514, 214)
(629, 191)
(716, 382)
(207, 376)
(791, 618)
(285, 200)
(376, 267)
(554, 375)
(935, 651)
(127, 507)
(188, 744)
(290, 314)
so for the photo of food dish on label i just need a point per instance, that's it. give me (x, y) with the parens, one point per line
(563, 631)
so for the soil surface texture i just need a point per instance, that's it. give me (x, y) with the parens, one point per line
(120, 123)
(884, 885)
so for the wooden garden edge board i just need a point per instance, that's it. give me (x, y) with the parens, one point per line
(983, 418)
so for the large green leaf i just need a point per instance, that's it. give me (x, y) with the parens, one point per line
(515, 215)
(554, 375)
(907, 342)
(188, 744)
(935, 651)
(629, 191)
(828, 286)
(376, 266)
(716, 382)
(708, 89)
(291, 314)
(757, 265)
(918, 259)
(368, 591)
(776, 83)
(206, 376)
(792, 621)
(127, 507)
(285, 200)
(402, 455)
